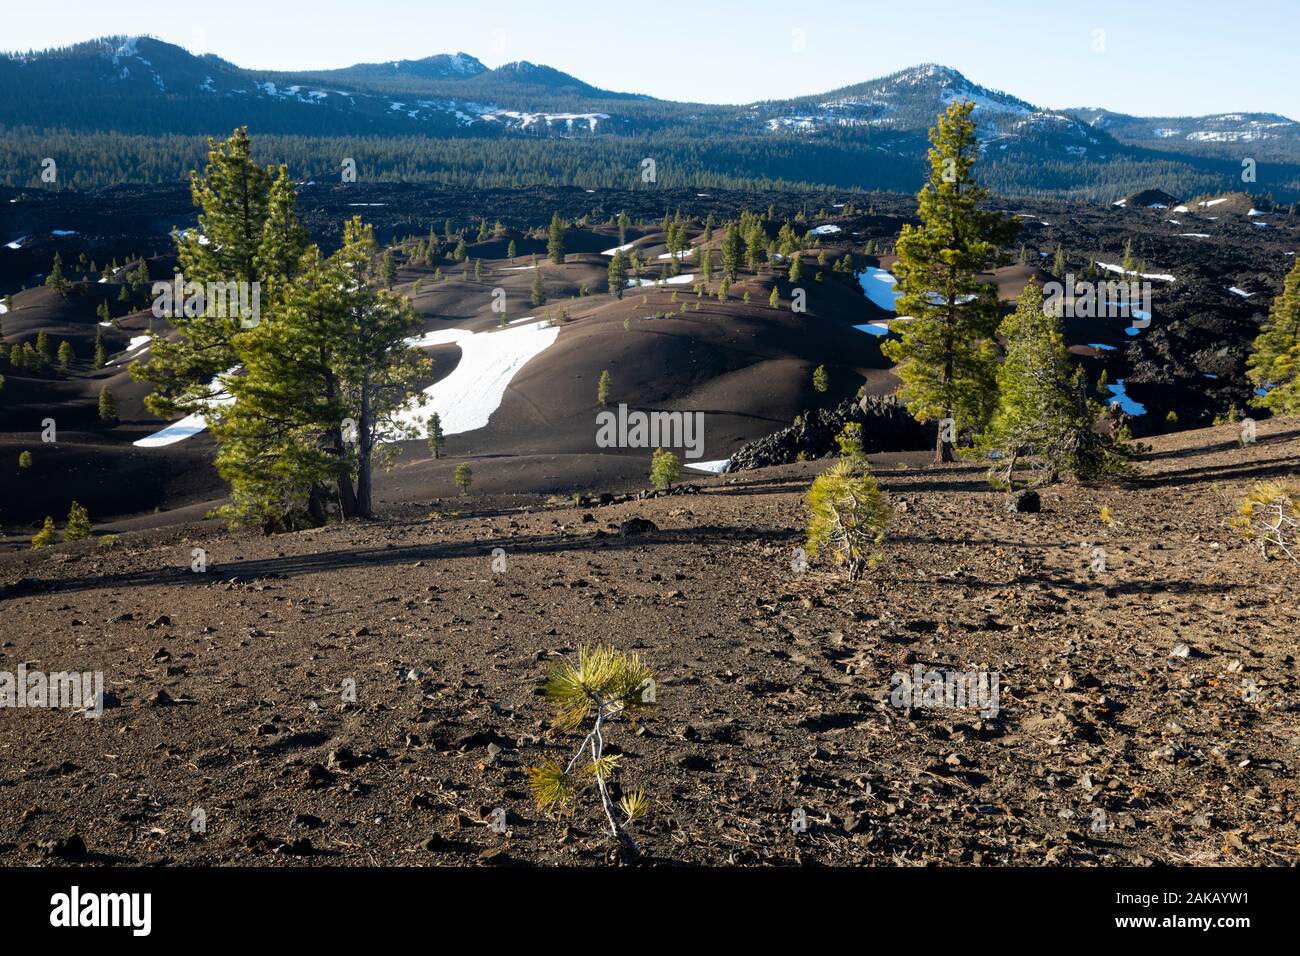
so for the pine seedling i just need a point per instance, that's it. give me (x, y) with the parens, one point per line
(1269, 518)
(603, 685)
(848, 515)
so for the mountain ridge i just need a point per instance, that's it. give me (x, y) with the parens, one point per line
(872, 133)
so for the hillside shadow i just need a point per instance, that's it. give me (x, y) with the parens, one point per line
(320, 562)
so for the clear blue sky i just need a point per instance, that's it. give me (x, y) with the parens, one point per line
(1153, 57)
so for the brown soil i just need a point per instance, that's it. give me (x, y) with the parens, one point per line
(773, 686)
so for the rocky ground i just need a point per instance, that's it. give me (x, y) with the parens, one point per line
(1148, 711)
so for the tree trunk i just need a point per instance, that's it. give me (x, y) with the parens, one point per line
(316, 505)
(365, 448)
(943, 452)
(347, 496)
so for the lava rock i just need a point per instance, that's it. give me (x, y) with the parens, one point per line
(1025, 502)
(635, 526)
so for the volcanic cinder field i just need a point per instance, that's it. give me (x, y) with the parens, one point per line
(369, 692)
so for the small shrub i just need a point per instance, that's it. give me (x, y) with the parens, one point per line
(848, 516)
(24, 459)
(463, 476)
(45, 537)
(1269, 518)
(603, 685)
(78, 526)
(665, 468)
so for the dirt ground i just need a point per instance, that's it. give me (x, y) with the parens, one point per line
(1148, 710)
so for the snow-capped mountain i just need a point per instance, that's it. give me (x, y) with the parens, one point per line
(872, 134)
(1165, 132)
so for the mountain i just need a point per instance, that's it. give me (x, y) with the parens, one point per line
(1223, 133)
(870, 135)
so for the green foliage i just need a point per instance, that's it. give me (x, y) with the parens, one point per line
(603, 685)
(78, 526)
(66, 355)
(617, 281)
(55, 279)
(537, 295)
(946, 357)
(1269, 518)
(45, 537)
(1274, 362)
(849, 442)
(848, 516)
(107, 405)
(602, 387)
(555, 240)
(463, 476)
(232, 197)
(665, 468)
(24, 459)
(820, 379)
(1043, 407)
(334, 351)
(435, 437)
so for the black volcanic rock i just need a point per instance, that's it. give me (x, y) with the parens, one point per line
(886, 426)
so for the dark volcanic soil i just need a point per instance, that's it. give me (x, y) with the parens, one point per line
(773, 686)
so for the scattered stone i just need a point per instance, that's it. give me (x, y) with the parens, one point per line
(636, 526)
(1024, 502)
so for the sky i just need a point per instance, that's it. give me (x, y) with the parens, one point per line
(1152, 58)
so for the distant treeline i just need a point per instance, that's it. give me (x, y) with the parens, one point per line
(95, 160)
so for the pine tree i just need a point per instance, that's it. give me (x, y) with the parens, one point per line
(389, 269)
(334, 351)
(821, 380)
(24, 460)
(1058, 262)
(107, 405)
(435, 438)
(706, 263)
(56, 279)
(45, 537)
(78, 526)
(732, 249)
(555, 241)
(283, 238)
(66, 355)
(946, 357)
(510, 250)
(537, 295)
(1043, 406)
(1274, 363)
(617, 274)
(665, 468)
(232, 198)
(848, 516)
(623, 223)
(774, 299)
(794, 273)
(44, 349)
(463, 476)
(603, 386)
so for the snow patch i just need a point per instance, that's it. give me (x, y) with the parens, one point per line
(466, 398)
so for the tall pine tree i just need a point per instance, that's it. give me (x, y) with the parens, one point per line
(1274, 362)
(946, 357)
